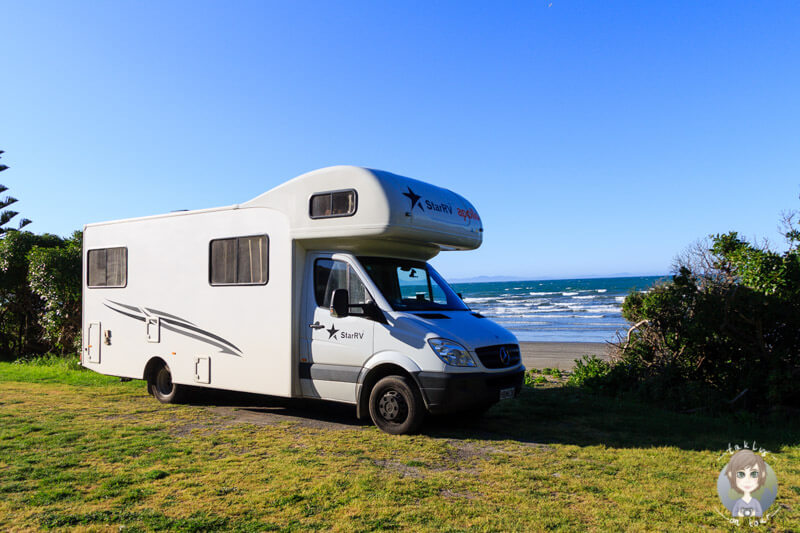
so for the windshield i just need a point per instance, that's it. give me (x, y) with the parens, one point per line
(411, 285)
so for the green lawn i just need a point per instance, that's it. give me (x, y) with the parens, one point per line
(83, 451)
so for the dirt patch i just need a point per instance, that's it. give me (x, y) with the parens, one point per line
(269, 411)
(400, 468)
(449, 494)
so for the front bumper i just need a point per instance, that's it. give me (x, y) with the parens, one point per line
(448, 393)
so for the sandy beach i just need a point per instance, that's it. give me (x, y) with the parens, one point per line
(559, 355)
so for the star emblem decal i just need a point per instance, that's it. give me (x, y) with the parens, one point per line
(332, 332)
(411, 195)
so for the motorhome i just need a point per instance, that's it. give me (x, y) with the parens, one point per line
(319, 288)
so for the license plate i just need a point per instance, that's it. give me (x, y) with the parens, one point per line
(507, 394)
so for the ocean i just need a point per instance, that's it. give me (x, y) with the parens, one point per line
(569, 310)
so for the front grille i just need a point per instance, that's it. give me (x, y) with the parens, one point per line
(490, 355)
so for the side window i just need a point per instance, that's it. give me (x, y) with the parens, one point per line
(239, 261)
(330, 275)
(108, 267)
(333, 204)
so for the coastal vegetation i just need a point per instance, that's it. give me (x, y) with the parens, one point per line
(723, 334)
(40, 294)
(40, 288)
(79, 450)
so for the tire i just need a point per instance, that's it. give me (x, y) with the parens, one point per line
(396, 406)
(160, 385)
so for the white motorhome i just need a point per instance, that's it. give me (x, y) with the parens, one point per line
(318, 288)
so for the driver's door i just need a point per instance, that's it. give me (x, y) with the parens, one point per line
(337, 348)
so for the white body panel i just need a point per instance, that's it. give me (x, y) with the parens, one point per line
(244, 331)
(267, 338)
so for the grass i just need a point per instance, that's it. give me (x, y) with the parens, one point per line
(84, 451)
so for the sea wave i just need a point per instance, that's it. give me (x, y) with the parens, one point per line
(561, 310)
(602, 309)
(560, 316)
(475, 300)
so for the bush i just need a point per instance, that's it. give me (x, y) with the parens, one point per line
(724, 333)
(20, 308)
(51, 360)
(590, 372)
(40, 294)
(54, 275)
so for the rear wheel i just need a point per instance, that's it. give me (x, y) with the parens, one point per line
(160, 385)
(396, 406)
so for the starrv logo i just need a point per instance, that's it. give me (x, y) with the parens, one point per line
(342, 335)
(415, 198)
(442, 207)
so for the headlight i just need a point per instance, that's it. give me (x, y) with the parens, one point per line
(451, 353)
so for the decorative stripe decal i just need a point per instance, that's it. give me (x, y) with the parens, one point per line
(201, 332)
(126, 314)
(177, 325)
(131, 307)
(222, 347)
(162, 313)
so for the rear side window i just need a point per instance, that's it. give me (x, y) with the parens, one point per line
(239, 261)
(108, 267)
(333, 204)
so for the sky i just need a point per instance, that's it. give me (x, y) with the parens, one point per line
(594, 138)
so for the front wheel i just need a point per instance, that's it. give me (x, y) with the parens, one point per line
(396, 406)
(160, 385)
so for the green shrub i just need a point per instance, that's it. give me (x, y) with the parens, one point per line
(51, 360)
(534, 377)
(724, 333)
(589, 372)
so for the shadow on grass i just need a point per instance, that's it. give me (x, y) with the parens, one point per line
(562, 415)
(262, 410)
(566, 415)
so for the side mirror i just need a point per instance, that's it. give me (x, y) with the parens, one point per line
(459, 295)
(340, 303)
(373, 312)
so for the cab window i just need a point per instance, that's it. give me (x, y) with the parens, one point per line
(330, 275)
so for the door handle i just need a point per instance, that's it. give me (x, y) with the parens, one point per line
(316, 325)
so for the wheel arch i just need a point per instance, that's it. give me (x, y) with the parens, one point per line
(380, 366)
(152, 366)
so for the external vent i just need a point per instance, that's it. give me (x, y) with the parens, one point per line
(493, 356)
(432, 316)
(478, 315)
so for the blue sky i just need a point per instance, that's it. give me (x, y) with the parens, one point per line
(594, 138)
